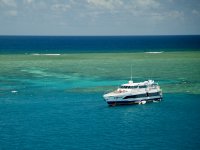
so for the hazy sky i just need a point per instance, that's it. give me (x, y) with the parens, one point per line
(99, 17)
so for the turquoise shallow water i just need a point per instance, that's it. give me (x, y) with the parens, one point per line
(177, 72)
(55, 102)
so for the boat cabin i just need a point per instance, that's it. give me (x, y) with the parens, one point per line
(131, 85)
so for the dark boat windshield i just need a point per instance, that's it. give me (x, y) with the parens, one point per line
(133, 87)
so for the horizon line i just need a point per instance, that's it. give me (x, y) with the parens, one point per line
(102, 35)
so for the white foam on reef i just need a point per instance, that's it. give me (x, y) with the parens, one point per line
(48, 54)
(154, 52)
(14, 91)
(36, 72)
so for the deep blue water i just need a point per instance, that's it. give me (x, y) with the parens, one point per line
(77, 44)
(57, 120)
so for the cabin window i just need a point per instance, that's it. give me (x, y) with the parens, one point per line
(141, 95)
(132, 96)
(130, 87)
(143, 86)
(154, 94)
(135, 96)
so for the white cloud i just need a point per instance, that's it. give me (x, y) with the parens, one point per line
(146, 4)
(195, 12)
(12, 13)
(129, 5)
(10, 3)
(122, 14)
(60, 7)
(28, 1)
(176, 14)
(167, 16)
(157, 17)
(108, 4)
(33, 5)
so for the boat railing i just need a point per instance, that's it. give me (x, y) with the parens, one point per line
(109, 91)
(115, 91)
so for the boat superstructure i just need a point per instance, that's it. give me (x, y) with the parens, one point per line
(130, 93)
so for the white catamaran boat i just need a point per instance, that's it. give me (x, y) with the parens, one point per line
(131, 93)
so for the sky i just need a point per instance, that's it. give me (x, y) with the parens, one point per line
(99, 17)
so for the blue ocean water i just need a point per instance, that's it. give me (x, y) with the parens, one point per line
(56, 120)
(55, 101)
(82, 44)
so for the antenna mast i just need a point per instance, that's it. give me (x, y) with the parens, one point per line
(131, 73)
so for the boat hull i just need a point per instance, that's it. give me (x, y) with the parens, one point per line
(130, 102)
